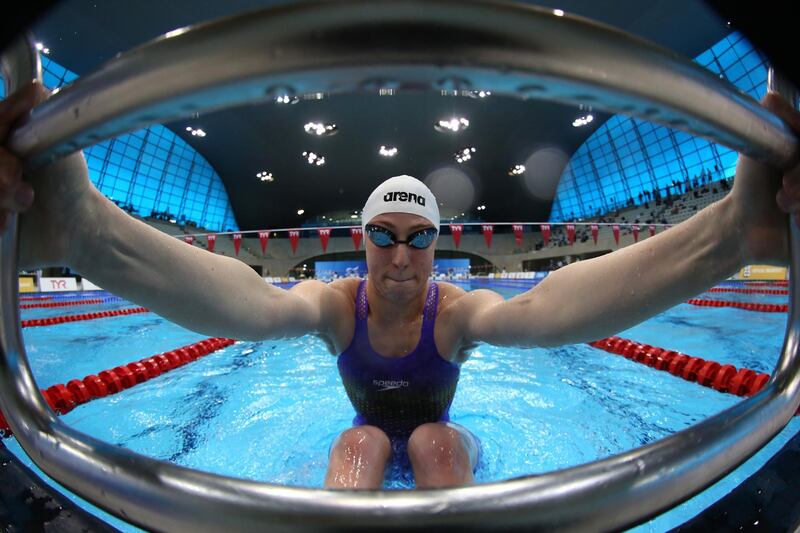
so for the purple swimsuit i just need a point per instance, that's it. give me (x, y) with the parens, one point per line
(397, 394)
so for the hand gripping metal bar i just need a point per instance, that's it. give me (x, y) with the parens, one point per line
(366, 45)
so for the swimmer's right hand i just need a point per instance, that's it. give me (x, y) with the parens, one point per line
(51, 199)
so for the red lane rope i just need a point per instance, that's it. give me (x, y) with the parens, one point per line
(34, 298)
(64, 398)
(85, 316)
(724, 378)
(749, 291)
(72, 302)
(764, 308)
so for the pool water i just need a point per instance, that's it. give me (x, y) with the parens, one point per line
(269, 410)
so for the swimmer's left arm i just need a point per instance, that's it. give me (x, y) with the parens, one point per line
(592, 299)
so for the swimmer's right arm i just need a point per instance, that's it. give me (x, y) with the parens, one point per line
(67, 222)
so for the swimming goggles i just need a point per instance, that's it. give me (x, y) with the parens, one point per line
(383, 238)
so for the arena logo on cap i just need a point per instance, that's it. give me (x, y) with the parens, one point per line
(404, 197)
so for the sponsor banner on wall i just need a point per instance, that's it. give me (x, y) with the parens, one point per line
(456, 230)
(324, 236)
(294, 237)
(546, 233)
(763, 272)
(26, 284)
(87, 285)
(237, 243)
(595, 231)
(58, 284)
(263, 238)
(212, 240)
(356, 234)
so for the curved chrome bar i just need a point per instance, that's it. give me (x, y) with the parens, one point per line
(608, 494)
(353, 45)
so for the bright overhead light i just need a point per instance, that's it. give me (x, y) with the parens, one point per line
(517, 170)
(286, 99)
(265, 176)
(387, 151)
(453, 125)
(196, 132)
(481, 208)
(558, 12)
(42, 48)
(478, 93)
(464, 154)
(314, 159)
(353, 216)
(301, 211)
(320, 129)
(582, 121)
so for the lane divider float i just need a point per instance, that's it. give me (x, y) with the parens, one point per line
(84, 316)
(723, 378)
(64, 398)
(72, 302)
(748, 306)
(749, 291)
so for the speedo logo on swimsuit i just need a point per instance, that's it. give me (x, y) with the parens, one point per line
(404, 197)
(389, 385)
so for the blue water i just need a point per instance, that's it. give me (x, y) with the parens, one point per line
(269, 410)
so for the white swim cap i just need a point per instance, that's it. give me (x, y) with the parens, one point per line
(401, 194)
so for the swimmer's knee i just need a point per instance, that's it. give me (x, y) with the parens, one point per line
(437, 443)
(363, 439)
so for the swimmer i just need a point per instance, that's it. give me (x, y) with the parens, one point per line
(400, 338)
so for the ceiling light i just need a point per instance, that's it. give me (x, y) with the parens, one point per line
(353, 216)
(558, 12)
(196, 132)
(265, 176)
(453, 125)
(320, 129)
(314, 159)
(517, 170)
(479, 94)
(42, 48)
(301, 211)
(464, 155)
(481, 208)
(387, 151)
(582, 121)
(286, 99)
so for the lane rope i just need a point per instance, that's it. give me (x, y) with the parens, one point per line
(111, 299)
(64, 398)
(748, 306)
(749, 291)
(84, 316)
(723, 378)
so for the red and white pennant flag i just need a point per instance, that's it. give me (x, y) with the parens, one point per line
(546, 233)
(263, 237)
(212, 240)
(571, 234)
(324, 235)
(237, 242)
(456, 230)
(518, 234)
(356, 234)
(595, 231)
(488, 229)
(294, 237)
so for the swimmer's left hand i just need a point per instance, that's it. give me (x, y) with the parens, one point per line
(762, 197)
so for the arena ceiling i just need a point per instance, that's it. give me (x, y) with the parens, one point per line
(83, 34)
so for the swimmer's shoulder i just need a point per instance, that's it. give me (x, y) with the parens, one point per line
(337, 304)
(454, 299)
